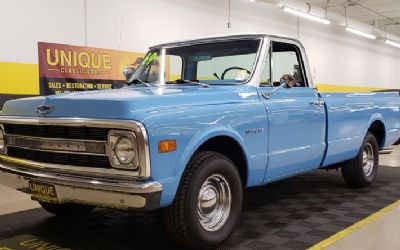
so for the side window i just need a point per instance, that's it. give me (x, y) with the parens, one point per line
(173, 68)
(266, 73)
(287, 65)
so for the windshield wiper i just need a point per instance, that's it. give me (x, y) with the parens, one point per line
(137, 80)
(193, 82)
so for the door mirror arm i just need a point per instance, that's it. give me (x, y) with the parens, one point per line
(267, 95)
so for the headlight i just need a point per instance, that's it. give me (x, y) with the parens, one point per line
(2, 141)
(122, 149)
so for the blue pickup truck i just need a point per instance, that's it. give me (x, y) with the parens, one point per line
(195, 124)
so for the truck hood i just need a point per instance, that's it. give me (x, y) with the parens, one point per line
(126, 103)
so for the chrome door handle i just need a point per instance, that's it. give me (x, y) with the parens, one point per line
(318, 102)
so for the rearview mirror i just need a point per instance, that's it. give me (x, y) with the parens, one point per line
(201, 58)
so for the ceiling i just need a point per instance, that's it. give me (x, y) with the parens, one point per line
(382, 8)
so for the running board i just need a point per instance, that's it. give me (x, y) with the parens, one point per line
(386, 151)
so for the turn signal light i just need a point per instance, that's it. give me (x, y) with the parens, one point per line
(166, 146)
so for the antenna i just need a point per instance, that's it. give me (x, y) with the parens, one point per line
(229, 14)
(120, 40)
(85, 20)
(326, 8)
(120, 33)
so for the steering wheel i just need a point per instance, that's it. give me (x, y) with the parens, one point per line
(232, 68)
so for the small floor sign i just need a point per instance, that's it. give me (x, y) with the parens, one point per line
(27, 241)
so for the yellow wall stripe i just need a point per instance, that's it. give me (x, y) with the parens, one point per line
(344, 88)
(19, 78)
(340, 235)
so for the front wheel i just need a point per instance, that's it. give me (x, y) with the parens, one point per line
(208, 202)
(361, 171)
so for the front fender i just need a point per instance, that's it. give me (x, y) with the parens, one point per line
(204, 136)
(171, 185)
(256, 164)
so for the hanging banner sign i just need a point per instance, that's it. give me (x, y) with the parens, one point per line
(67, 68)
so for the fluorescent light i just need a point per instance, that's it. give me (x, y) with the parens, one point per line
(306, 15)
(360, 33)
(394, 44)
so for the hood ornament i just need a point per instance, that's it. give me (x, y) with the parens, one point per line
(44, 109)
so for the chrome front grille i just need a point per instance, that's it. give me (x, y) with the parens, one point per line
(60, 158)
(70, 145)
(50, 131)
(75, 146)
(61, 145)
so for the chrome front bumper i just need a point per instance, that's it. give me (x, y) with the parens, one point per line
(120, 193)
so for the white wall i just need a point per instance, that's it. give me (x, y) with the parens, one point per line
(23, 23)
(336, 57)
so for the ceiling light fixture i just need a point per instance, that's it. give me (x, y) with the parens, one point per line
(306, 15)
(360, 33)
(392, 43)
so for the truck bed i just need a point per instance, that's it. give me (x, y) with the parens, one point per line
(349, 117)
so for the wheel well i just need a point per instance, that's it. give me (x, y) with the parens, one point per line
(230, 148)
(378, 130)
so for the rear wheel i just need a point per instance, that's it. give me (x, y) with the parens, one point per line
(67, 209)
(361, 171)
(208, 202)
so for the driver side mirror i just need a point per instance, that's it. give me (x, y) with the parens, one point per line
(268, 95)
(128, 72)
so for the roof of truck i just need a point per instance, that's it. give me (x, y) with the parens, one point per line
(220, 38)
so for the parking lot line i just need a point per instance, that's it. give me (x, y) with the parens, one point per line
(362, 223)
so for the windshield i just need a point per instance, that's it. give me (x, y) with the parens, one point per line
(229, 62)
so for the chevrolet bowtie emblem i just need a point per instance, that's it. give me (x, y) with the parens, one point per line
(44, 109)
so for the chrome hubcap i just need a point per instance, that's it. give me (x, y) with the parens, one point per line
(214, 203)
(368, 159)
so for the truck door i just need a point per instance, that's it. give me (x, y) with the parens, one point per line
(296, 115)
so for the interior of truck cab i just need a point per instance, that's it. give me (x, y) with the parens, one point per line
(285, 66)
(225, 62)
